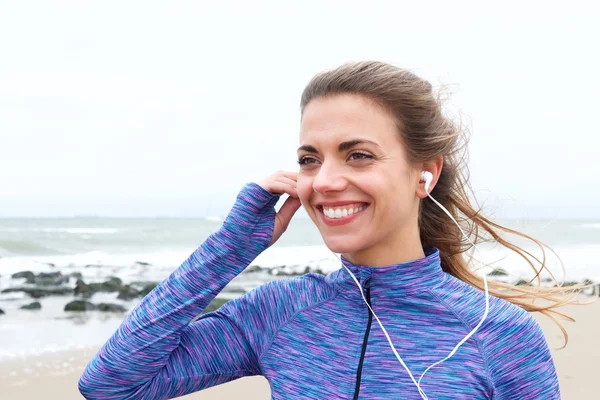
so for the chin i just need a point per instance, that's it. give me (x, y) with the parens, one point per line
(342, 245)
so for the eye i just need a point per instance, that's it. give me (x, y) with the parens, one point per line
(359, 155)
(306, 160)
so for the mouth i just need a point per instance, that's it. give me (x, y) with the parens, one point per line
(341, 215)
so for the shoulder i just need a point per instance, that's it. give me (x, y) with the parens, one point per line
(508, 332)
(512, 340)
(504, 319)
(469, 302)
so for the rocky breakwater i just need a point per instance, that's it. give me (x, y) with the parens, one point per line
(81, 293)
(590, 288)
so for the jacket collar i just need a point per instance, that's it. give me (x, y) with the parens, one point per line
(420, 273)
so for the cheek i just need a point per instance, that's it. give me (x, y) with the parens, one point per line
(387, 191)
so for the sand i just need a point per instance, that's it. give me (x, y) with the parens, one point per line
(55, 376)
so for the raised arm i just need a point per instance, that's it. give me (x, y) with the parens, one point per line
(156, 353)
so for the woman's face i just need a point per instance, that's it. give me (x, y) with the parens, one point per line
(354, 180)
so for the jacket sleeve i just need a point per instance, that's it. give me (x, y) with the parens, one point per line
(158, 351)
(519, 359)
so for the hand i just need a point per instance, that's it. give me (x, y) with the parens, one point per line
(279, 183)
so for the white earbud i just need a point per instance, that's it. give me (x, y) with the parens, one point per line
(427, 177)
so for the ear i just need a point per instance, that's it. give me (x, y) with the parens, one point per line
(435, 167)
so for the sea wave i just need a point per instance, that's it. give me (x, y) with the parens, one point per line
(29, 247)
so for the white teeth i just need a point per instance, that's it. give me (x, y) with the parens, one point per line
(341, 212)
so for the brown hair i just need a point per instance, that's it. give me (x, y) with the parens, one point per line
(427, 133)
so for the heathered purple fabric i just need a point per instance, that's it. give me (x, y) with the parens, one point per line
(305, 334)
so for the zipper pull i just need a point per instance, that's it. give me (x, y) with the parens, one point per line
(365, 277)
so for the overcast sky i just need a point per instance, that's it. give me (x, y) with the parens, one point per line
(120, 108)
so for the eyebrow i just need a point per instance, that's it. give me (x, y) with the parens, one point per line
(342, 147)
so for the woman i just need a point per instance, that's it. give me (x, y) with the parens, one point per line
(368, 130)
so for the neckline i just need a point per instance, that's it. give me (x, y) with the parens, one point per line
(423, 272)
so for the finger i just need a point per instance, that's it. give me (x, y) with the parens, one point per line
(288, 174)
(287, 180)
(287, 211)
(281, 187)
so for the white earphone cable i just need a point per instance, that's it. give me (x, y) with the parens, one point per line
(487, 298)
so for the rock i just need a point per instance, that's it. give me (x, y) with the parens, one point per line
(214, 305)
(112, 285)
(37, 293)
(569, 283)
(254, 268)
(50, 279)
(76, 275)
(95, 287)
(148, 288)
(84, 305)
(2, 311)
(317, 270)
(24, 274)
(294, 270)
(32, 306)
(522, 282)
(127, 293)
(80, 305)
(140, 284)
(145, 264)
(498, 272)
(109, 307)
(82, 289)
(43, 278)
(45, 275)
(87, 290)
(285, 273)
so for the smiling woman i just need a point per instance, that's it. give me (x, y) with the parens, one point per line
(375, 151)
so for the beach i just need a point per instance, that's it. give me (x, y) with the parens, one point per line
(114, 262)
(56, 375)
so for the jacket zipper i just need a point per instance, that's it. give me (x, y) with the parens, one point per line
(364, 345)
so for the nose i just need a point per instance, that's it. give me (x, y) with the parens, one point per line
(330, 178)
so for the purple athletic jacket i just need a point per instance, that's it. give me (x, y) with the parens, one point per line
(313, 337)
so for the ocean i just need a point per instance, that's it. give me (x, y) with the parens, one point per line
(150, 249)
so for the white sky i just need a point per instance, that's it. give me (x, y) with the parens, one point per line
(119, 108)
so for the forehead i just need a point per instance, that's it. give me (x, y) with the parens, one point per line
(333, 119)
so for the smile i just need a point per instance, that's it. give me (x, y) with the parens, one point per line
(341, 215)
